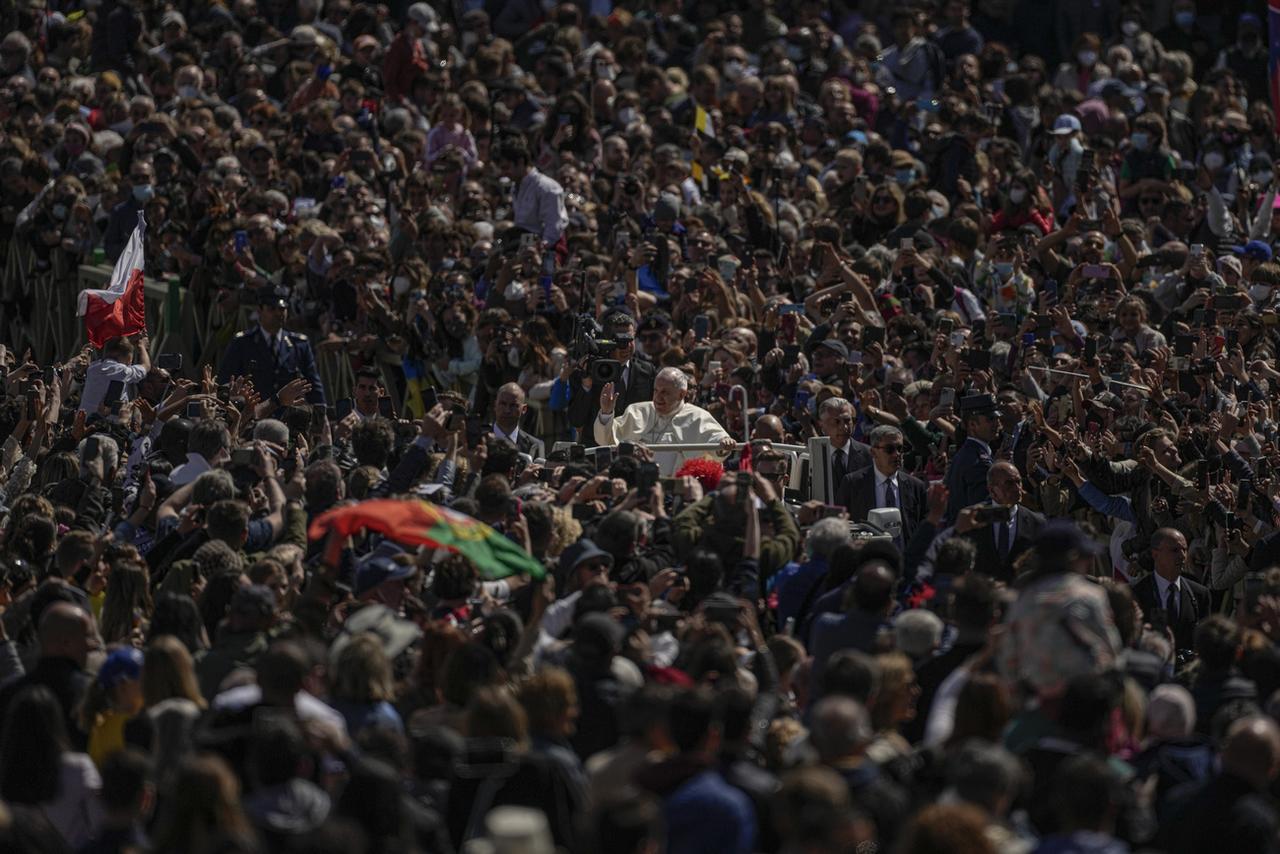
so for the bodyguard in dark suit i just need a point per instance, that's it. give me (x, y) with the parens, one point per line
(1166, 591)
(967, 474)
(509, 408)
(1001, 543)
(883, 484)
(1017, 431)
(268, 354)
(634, 386)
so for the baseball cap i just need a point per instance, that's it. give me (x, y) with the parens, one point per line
(1255, 249)
(121, 665)
(254, 601)
(837, 347)
(423, 14)
(173, 16)
(1065, 124)
(579, 553)
(379, 567)
(1059, 536)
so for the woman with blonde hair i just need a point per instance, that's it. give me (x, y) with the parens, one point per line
(894, 705)
(361, 686)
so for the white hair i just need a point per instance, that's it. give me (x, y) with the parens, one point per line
(108, 450)
(272, 430)
(826, 536)
(917, 632)
(675, 376)
(1171, 712)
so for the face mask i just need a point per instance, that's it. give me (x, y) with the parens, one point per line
(733, 70)
(59, 211)
(1140, 141)
(448, 263)
(1213, 161)
(144, 192)
(1259, 293)
(795, 52)
(1131, 28)
(626, 116)
(400, 285)
(938, 211)
(1017, 195)
(1087, 57)
(1184, 19)
(186, 92)
(1262, 178)
(904, 176)
(1004, 269)
(604, 71)
(123, 127)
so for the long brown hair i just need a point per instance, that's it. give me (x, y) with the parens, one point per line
(168, 672)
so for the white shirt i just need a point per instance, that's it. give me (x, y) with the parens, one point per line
(513, 437)
(641, 422)
(195, 466)
(1162, 591)
(101, 374)
(539, 207)
(881, 480)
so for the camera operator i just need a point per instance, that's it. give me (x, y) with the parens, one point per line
(635, 382)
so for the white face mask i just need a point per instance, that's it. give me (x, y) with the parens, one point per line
(1213, 161)
(733, 70)
(626, 116)
(1017, 195)
(123, 127)
(186, 92)
(604, 71)
(400, 285)
(1087, 57)
(1131, 28)
(1262, 179)
(1260, 293)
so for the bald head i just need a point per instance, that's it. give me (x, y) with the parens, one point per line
(768, 427)
(66, 631)
(1004, 482)
(1252, 750)
(508, 407)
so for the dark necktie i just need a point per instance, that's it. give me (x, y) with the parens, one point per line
(890, 494)
(1171, 602)
(1002, 540)
(837, 468)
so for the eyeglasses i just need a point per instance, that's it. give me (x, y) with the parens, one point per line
(890, 449)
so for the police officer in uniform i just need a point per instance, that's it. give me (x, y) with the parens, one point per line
(967, 476)
(270, 355)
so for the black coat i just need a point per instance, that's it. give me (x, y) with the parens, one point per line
(967, 477)
(1193, 606)
(1027, 524)
(584, 406)
(857, 492)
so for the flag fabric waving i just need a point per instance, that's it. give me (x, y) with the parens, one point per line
(120, 309)
(415, 522)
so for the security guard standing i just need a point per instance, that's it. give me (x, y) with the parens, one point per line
(270, 355)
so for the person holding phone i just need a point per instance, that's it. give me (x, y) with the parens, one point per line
(116, 364)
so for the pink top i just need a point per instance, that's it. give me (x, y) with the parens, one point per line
(441, 137)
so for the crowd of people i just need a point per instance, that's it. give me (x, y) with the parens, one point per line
(881, 398)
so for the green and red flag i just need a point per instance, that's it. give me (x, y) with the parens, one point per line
(420, 523)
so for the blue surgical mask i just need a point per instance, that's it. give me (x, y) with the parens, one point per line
(144, 192)
(1185, 18)
(1004, 269)
(1140, 140)
(904, 176)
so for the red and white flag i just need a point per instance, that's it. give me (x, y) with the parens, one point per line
(121, 309)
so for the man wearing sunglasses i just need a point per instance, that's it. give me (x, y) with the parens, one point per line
(883, 484)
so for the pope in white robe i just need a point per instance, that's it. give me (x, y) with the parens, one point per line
(667, 419)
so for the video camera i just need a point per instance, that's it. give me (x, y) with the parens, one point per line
(591, 345)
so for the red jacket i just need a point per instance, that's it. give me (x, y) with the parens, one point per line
(405, 62)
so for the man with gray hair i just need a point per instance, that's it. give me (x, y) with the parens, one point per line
(665, 420)
(918, 633)
(835, 419)
(883, 484)
(840, 731)
(798, 584)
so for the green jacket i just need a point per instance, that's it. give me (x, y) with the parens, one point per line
(697, 527)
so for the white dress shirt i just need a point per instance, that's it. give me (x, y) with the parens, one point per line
(881, 480)
(513, 437)
(1162, 591)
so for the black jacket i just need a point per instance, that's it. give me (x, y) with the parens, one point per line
(584, 406)
(858, 493)
(1193, 606)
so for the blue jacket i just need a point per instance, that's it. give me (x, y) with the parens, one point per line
(248, 355)
(967, 477)
(708, 816)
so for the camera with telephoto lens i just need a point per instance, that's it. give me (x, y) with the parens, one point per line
(590, 345)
